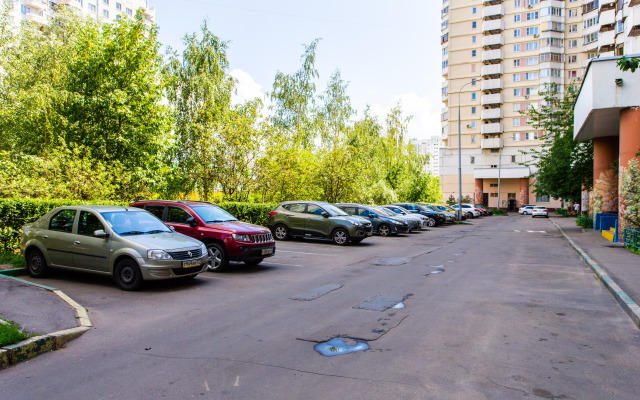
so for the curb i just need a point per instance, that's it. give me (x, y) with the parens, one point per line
(627, 304)
(37, 345)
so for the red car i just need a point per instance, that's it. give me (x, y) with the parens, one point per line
(226, 238)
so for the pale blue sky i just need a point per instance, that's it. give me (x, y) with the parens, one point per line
(386, 50)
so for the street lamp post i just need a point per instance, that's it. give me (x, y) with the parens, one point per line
(474, 80)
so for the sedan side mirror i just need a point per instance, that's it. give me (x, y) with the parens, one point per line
(192, 221)
(173, 228)
(100, 233)
(325, 214)
(372, 216)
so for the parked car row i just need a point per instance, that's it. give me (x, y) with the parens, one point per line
(166, 239)
(533, 210)
(150, 240)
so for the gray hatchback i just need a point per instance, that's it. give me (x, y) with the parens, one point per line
(127, 243)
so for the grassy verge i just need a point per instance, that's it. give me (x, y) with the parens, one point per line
(12, 333)
(11, 260)
(633, 250)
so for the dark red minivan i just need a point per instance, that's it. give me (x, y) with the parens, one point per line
(226, 238)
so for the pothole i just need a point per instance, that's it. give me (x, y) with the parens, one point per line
(340, 346)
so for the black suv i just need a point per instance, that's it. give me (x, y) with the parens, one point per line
(438, 218)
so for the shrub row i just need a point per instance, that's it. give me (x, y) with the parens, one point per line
(14, 213)
(584, 222)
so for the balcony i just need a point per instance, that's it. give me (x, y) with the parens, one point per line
(607, 38)
(492, 99)
(492, 113)
(36, 4)
(491, 129)
(72, 3)
(492, 71)
(491, 85)
(38, 19)
(494, 26)
(491, 2)
(493, 41)
(492, 56)
(607, 17)
(493, 12)
(495, 143)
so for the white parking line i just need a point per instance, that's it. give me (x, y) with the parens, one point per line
(301, 252)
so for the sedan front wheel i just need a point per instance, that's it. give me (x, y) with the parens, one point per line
(340, 237)
(384, 230)
(431, 223)
(217, 260)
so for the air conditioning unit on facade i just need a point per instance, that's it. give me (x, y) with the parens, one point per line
(469, 126)
(526, 96)
(535, 35)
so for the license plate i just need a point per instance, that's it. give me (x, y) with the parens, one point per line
(267, 251)
(190, 263)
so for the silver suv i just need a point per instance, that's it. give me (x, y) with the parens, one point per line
(127, 243)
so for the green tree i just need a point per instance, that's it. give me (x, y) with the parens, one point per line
(564, 165)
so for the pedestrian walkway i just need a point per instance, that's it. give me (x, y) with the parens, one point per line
(622, 266)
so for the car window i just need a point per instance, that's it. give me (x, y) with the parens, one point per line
(212, 214)
(158, 211)
(88, 223)
(349, 210)
(134, 223)
(314, 209)
(177, 215)
(364, 213)
(62, 221)
(333, 210)
(299, 208)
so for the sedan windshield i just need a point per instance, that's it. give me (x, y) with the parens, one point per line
(333, 210)
(126, 223)
(211, 214)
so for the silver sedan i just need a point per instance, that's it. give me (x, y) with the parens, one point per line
(127, 243)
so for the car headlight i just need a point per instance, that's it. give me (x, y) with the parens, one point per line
(356, 223)
(397, 223)
(203, 248)
(241, 237)
(158, 255)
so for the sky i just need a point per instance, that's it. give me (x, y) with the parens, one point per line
(387, 50)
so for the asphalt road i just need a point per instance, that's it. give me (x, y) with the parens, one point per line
(515, 314)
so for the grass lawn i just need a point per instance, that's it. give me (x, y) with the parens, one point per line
(11, 260)
(11, 333)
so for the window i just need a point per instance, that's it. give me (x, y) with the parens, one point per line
(513, 159)
(118, 6)
(590, 38)
(573, 28)
(493, 185)
(516, 48)
(532, 46)
(573, 59)
(532, 15)
(572, 74)
(516, 77)
(516, 92)
(88, 223)
(474, 81)
(495, 150)
(473, 53)
(573, 13)
(532, 135)
(349, 210)
(155, 210)
(532, 61)
(516, 137)
(473, 110)
(516, 106)
(530, 76)
(472, 160)
(314, 209)
(517, 33)
(177, 215)
(531, 91)
(473, 68)
(62, 221)
(573, 43)
(445, 64)
(517, 3)
(297, 208)
(516, 122)
(443, 39)
(543, 198)
(516, 63)
(516, 18)
(474, 39)
(473, 96)
(474, 10)
(473, 138)
(105, 2)
(532, 31)
(105, 13)
(129, 12)
(92, 7)
(474, 25)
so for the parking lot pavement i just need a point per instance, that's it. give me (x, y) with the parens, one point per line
(500, 308)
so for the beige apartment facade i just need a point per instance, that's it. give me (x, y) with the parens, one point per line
(39, 11)
(514, 49)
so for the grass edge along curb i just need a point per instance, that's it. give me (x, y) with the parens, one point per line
(628, 305)
(37, 345)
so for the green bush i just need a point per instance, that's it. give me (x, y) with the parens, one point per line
(497, 211)
(15, 213)
(584, 222)
(12, 333)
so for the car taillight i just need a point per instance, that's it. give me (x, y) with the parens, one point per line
(273, 213)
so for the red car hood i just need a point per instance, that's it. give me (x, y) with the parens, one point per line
(239, 227)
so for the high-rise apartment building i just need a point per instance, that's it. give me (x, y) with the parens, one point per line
(429, 147)
(514, 49)
(103, 10)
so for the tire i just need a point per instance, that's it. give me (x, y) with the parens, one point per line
(431, 223)
(340, 237)
(36, 264)
(253, 261)
(281, 232)
(383, 230)
(218, 260)
(127, 275)
(525, 213)
(469, 215)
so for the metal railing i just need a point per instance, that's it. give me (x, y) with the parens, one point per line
(632, 238)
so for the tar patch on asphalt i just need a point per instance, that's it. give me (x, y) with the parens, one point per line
(317, 292)
(390, 261)
(380, 302)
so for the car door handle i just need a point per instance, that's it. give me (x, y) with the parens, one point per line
(76, 242)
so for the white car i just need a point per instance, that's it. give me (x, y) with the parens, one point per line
(469, 210)
(526, 209)
(539, 211)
